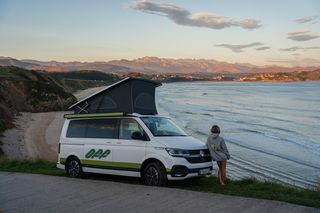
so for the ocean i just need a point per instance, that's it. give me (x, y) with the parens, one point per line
(272, 129)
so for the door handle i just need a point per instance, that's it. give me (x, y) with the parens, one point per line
(108, 142)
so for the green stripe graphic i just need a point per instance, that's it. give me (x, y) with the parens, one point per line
(112, 164)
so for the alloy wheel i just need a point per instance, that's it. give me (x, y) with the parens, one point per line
(152, 176)
(73, 168)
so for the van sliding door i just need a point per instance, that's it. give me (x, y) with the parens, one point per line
(100, 137)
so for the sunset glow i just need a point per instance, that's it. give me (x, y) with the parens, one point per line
(257, 32)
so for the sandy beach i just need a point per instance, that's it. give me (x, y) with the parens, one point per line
(36, 135)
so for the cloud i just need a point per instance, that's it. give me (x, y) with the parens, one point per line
(239, 47)
(306, 19)
(302, 62)
(289, 49)
(300, 48)
(262, 48)
(302, 36)
(182, 16)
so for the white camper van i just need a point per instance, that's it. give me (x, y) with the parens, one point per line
(151, 147)
(117, 131)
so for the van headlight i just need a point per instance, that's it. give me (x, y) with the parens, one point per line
(178, 152)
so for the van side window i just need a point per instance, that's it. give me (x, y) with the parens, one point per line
(102, 128)
(127, 127)
(77, 129)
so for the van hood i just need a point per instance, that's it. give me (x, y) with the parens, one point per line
(181, 142)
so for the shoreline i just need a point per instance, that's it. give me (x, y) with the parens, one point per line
(191, 114)
(238, 81)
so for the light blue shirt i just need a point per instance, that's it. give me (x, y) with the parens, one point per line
(218, 148)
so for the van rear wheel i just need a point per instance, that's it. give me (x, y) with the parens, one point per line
(74, 168)
(155, 175)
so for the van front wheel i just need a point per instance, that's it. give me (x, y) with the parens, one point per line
(74, 168)
(155, 175)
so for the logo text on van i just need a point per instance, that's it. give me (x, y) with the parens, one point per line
(97, 154)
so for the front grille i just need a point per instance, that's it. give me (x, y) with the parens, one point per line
(197, 157)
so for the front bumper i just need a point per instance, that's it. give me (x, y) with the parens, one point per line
(181, 172)
(60, 166)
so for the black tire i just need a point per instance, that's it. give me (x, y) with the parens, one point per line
(155, 175)
(74, 168)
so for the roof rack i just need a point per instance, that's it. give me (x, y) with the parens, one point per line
(94, 115)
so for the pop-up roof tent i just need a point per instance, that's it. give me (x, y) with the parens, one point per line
(130, 95)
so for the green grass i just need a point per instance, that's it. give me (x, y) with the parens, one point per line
(3, 126)
(245, 188)
(28, 166)
(7, 74)
(256, 189)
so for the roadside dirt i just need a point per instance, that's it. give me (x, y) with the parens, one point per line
(36, 135)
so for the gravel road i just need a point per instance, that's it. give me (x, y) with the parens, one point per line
(39, 193)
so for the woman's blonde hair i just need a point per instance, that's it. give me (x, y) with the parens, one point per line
(215, 129)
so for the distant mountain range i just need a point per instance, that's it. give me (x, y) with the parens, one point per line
(151, 65)
(55, 66)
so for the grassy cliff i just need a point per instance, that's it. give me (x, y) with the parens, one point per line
(29, 91)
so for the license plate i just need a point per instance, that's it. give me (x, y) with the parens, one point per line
(204, 171)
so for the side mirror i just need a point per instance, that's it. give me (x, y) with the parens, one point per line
(138, 136)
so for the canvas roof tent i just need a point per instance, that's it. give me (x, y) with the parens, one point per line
(130, 95)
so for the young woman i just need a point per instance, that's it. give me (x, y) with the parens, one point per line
(219, 152)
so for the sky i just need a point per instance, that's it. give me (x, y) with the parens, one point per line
(285, 32)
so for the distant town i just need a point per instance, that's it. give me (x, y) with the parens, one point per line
(261, 77)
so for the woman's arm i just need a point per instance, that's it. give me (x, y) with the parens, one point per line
(225, 149)
(207, 143)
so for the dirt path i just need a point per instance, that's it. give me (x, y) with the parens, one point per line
(37, 134)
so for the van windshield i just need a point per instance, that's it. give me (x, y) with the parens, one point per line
(160, 126)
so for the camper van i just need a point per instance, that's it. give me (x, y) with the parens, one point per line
(136, 142)
(151, 147)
